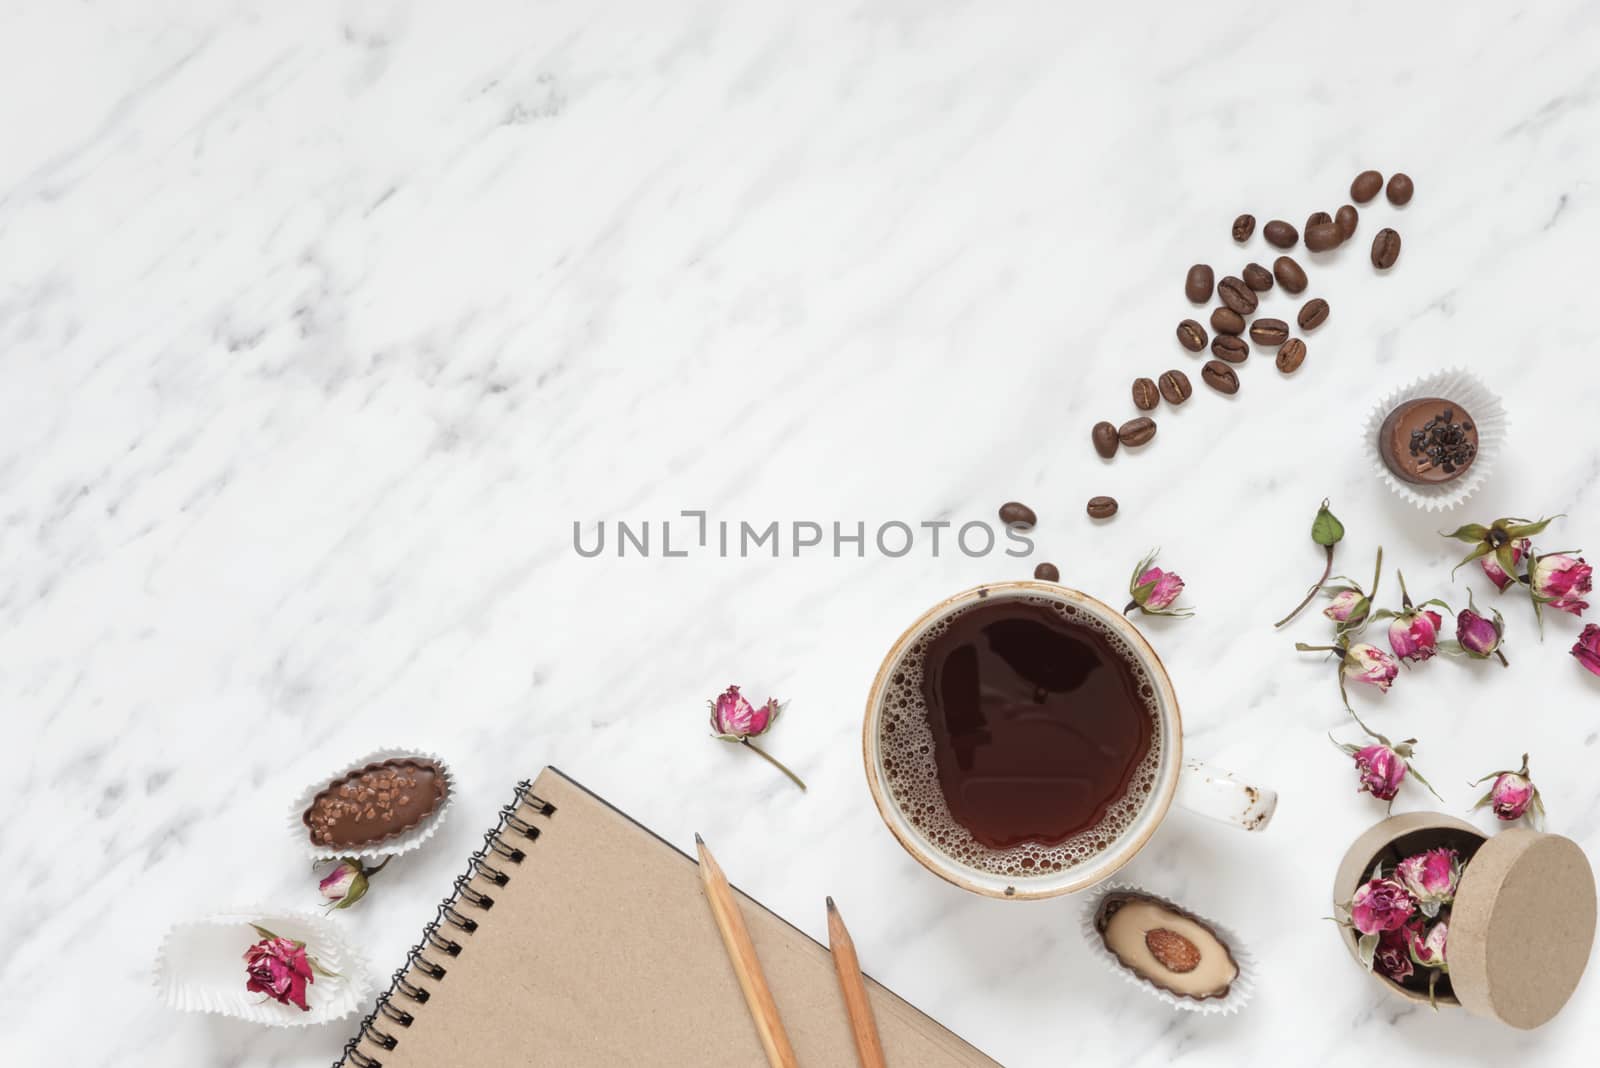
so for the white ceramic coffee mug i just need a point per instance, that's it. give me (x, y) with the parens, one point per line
(1192, 785)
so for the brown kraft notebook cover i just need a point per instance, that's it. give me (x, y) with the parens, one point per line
(579, 938)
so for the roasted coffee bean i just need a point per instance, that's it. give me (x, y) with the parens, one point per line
(1317, 217)
(1197, 284)
(1101, 507)
(1243, 227)
(1175, 387)
(1313, 313)
(1281, 234)
(1191, 335)
(1346, 218)
(1136, 432)
(1400, 190)
(1231, 348)
(1047, 573)
(1227, 321)
(1220, 377)
(1104, 436)
(1385, 249)
(1236, 295)
(1257, 277)
(1016, 514)
(1291, 355)
(1290, 275)
(1145, 394)
(1366, 186)
(1269, 331)
(1323, 236)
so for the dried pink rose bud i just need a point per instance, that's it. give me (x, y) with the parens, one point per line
(1380, 905)
(1587, 649)
(1477, 636)
(734, 719)
(1153, 590)
(1392, 956)
(279, 968)
(1560, 581)
(1414, 636)
(1491, 566)
(348, 882)
(1348, 606)
(1382, 765)
(1382, 770)
(1431, 877)
(1512, 795)
(1371, 665)
(1428, 949)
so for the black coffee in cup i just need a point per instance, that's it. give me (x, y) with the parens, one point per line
(1038, 722)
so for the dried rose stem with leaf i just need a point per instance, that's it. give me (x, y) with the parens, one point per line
(1326, 531)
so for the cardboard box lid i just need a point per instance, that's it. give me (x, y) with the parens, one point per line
(1522, 927)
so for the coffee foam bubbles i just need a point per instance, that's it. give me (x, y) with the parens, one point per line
(905, 746)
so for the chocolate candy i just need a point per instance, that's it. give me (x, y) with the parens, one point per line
(1167, 947)
(375, 803)
(1428, 440)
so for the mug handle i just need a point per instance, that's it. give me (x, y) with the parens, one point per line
(1217, 794)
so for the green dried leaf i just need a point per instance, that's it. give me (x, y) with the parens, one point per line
(1469, 533)
(1326, 529)
(1483, 549)
(1527, 530)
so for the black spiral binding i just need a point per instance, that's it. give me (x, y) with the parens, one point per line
(431, 956)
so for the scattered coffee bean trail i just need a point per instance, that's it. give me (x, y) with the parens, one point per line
(1235, 315)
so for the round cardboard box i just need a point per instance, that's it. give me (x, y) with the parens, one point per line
(1523, 921)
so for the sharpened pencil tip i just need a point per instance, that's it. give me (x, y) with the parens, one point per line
(831, 906)
(698, 840)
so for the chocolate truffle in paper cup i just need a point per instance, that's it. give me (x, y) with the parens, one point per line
(1436, 441)
(388, 802)
(1523, 921)
(201, 967)
(1185, 960)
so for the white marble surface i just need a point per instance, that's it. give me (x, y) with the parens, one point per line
(320, 324)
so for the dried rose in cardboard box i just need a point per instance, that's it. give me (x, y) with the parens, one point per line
(1522, 921)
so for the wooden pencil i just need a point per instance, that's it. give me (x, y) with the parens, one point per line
(742, 952)
(862, 1024)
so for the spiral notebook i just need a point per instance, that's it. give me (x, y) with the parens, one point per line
(576, 938)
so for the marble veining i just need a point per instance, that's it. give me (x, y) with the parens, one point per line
(321, 324)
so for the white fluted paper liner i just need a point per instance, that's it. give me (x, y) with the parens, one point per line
(1239, 993)
(200, 968)
(400, 843)
(1476, 399)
